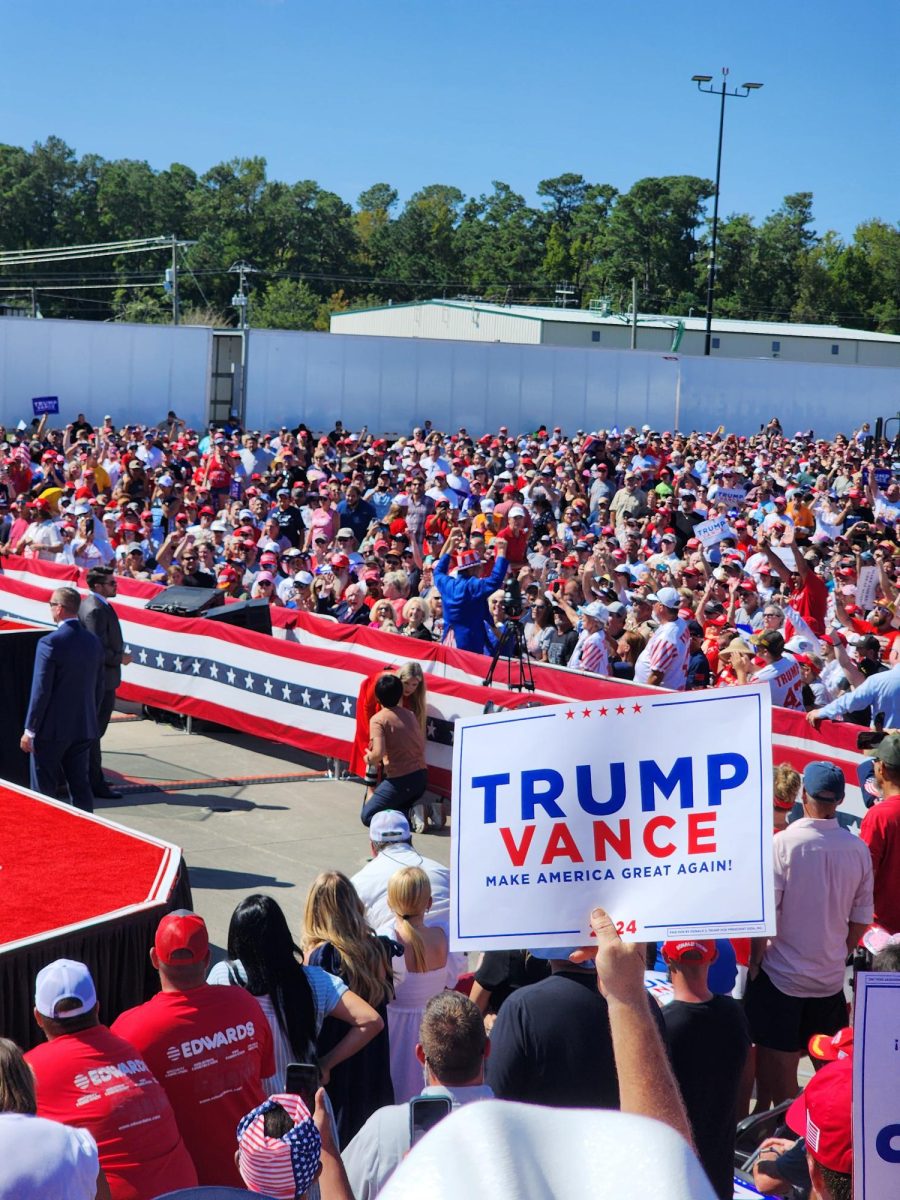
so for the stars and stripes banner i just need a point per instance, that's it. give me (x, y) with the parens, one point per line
(300, 686)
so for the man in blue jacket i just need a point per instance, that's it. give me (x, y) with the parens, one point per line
(66, 692)
(464, 595)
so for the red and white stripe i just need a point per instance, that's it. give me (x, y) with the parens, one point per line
(332, 660)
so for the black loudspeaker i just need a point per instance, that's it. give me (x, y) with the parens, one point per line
(247, 614)
(186, 601)
(879, 429)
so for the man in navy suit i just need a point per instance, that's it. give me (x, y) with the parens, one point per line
(66, 693)
(97, 614)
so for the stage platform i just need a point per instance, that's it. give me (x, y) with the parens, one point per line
(73, 885)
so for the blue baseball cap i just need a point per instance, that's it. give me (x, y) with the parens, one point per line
(824, 781)
(562, 953)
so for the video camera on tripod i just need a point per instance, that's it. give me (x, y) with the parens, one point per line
(512, 600)
(511, 646)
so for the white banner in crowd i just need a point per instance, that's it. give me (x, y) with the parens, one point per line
(876, 1097)
(659, 809)
(730, 496)
(711, 532)
(866, 586)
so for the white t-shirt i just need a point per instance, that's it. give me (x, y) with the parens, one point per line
(371, 884)
(666, 653)
(784, 682)
(43, 1160)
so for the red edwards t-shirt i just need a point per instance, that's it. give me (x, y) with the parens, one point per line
(209, 1047)
(98, 1082)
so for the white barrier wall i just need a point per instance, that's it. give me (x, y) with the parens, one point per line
(138, 372)
(133, 372)
(391, 383)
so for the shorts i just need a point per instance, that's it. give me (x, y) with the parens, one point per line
(781, 1022)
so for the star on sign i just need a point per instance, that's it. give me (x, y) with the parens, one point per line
(346, 706)
(636, 707)
(143, 655)
(602, 711)
(160, 661)
(231, 676)
(267, 687)
(585, 712)
(248, 682)
(213, 671)
(430, 730)
(286, 692)
(326, 702)
(305, 696)
(195, 666)
(570, 715)
(177, 664)
(620, 709)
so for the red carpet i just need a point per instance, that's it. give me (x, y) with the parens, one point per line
(60, 868)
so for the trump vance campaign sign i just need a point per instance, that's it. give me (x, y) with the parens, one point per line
(657, 807)
(876, 1102)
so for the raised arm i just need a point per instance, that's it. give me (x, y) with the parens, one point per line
(647, 1086)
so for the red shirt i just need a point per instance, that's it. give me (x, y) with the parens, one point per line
(516, 545)
(880, 831)
(209, 1047)
(811, 602)
(100, 1083)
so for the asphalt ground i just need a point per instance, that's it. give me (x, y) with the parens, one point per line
(248, 815)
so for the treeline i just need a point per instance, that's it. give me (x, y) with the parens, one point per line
(313, 252)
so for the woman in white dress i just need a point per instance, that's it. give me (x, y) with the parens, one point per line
(420, 974)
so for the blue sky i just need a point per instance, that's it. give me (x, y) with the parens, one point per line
(414, 92)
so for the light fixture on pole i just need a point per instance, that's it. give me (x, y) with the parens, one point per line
(241, 301)
(742, 92)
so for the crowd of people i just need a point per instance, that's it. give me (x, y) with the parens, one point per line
(682, 561)
(607, 534)
(300, 1064)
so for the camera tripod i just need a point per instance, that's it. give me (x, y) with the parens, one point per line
(523, 680)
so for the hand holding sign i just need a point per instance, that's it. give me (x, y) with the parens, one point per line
(620, 966)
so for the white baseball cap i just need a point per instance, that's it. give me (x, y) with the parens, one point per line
(667, 597)
(64, 980)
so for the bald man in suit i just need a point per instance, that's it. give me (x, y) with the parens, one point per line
(66, 691)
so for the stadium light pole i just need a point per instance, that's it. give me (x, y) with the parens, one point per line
(704, 84)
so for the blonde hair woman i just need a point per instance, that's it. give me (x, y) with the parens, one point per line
(415, 614)
(421, 973)
(785, 789)
(338, 938)
(382, 616)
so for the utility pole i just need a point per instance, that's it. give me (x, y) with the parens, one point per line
(740, 93)
(634, 312)
(174, 280)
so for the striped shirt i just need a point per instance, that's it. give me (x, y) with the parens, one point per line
(326, 992)
(590, 653)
